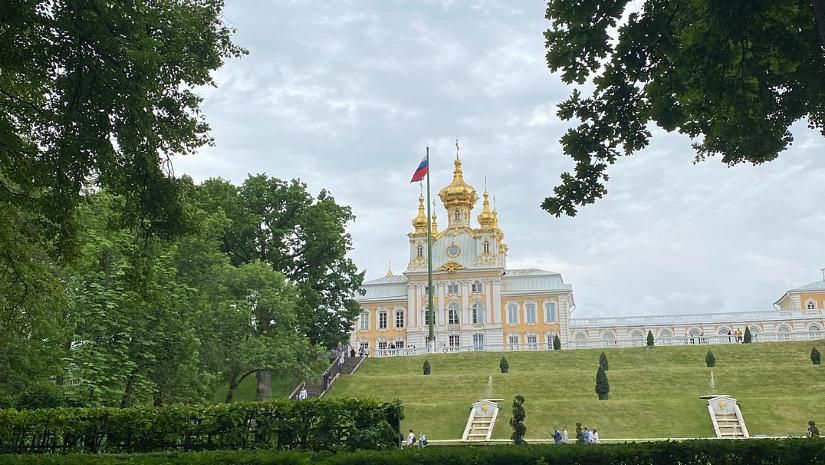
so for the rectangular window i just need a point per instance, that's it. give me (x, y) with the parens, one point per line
(382, 345)
(530, 313)
(478, 342)
(399, 343)
(550, 338)
(382, 320)
(427, 317)
(399, 318)
(364, 321)
(452, 288)
(513, 340)
(550, 312)
(454, 341)
(478, 313)
(512, 314)
(452, 314)
(532, 342)
(477, 287)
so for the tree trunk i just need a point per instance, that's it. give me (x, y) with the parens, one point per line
(819, 10)
(231, 393)
(127, 392)
(264, 389)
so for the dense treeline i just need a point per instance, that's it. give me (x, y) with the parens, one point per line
(256, 282)
(283, 424)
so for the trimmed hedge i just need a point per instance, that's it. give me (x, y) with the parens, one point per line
(718, 452)
(310, 424)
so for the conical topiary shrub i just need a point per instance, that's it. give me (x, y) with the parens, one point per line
(556, 342)
(505, 367)
(748, 336)
(603, 362)
(815, 356)
(649, 338)
(710, 360)
(426, 367)
(602, 385)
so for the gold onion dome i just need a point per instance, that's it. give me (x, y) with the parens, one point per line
(486, 218)
(458, 193)
(420, 221)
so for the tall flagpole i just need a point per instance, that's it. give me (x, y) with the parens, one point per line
(430, 311)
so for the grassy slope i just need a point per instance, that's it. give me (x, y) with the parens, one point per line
(282, 385)
(654, 393)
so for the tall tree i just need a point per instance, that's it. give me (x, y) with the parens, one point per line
(733, 75)
(94, 91)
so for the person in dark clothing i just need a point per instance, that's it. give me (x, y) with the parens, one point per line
(813, 430)
(326, 377)
(352, 352)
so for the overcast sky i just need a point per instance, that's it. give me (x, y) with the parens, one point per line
(346, 96)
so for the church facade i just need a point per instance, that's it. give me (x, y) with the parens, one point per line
(481, 305)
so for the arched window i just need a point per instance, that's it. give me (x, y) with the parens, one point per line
(457, 215)
(810, 304)
(486, 247)
(452, 313)
(637, 337)
(665, 336)
(420, 250)
(814, 331)
(478, 313)
(783, 333)
(608, 339)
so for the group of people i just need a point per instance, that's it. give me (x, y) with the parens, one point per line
(411, 440)
(736, 336)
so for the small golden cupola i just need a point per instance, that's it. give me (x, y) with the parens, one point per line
(486, 219)
(434, 223)
(420, 220)
(458, 197)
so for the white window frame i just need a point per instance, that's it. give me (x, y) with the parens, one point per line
(534, 344)
(454, 341)
(551, 306)
(512, 313)
(453, 288)
(478, 313)
(382, 319)
(476, 287)
(419, 250)
(810, 304)
(486, 246)
(399, 317)
(453, 313)
(550, 337)
(514, 346)
(530, 310)
(478, 341)
(364, 321)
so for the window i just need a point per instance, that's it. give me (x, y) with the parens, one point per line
(382, 345)
(399, 343)
(420, 250)
(512, 313)
(550, 337)
(486, 247)
(452, 288)
(476, 287)
(457, 215)
(532, 342)
(783, 333)
(530, 312)
(363, 346)
(399, 318)
(550, 312)
(452, 313)
(478, 342)
(382, 320)
(364, 321)
(478, 313)
(513, 340)
(427, 317)
(454, 341)
(811, 304)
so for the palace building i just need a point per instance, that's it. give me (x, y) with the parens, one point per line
(480, 304)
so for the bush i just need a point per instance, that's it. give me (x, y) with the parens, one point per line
(556, 342)
(649, 338)
(517, 422)
(710, 360)
(579, 433)
(505, 367)
(602, 385)
(282, 424)
(748, 337)
(426, 367)
(815, 356)
(603, 362)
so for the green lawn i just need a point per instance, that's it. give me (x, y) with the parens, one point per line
(653, 392)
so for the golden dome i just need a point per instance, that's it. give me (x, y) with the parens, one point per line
(458, 192)
(420, 221)
(486, 218)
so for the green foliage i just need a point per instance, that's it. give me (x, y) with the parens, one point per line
(748, 337)
(603, 362)
(556, 342)
(602, 385)
(503, 365)
(103, 93)
(426, 367)
(710, 359)
(734, 76)
(815, 356)
(579, 433)
(517, 422)
(309, 425)
(650, 340)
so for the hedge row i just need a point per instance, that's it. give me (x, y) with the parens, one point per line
(283, 424)
(703, 452)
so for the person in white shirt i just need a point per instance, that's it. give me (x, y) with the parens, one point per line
(302, 394)
(564, 437)
(410, 439)
(594, 438)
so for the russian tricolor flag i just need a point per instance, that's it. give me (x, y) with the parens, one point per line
(421, 171)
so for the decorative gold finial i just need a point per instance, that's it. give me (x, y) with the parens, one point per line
(434, 223)
(457, 149)
(389, 269)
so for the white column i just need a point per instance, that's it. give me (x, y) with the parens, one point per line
(465, 301)
(412, 315)
(497, 301)
(442, 292)
(488, 302)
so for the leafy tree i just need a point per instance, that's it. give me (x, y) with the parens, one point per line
(504, 366)
(748, 338)
(650, 338)
(427, 368)
(102, 93)
(602, 385)
(815, 356)
(710, 360)
(517, 422)
(732, 75)
(603, 362)
(556, 342)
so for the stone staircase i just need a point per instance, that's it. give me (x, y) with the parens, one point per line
(729, 426)
(481, 421)
(315, 387)
(480, 429)
(726, 416)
